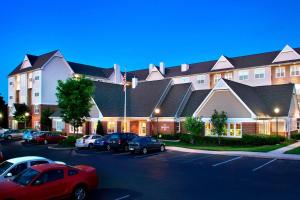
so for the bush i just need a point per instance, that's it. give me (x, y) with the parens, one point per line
(295, 136)
(70, 141)
(246, 140)
(168, 136)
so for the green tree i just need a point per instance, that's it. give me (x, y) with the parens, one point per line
(99, 129)
(22, 113)
(74, 99)
(3, 113)
(46, 123)
(219, 121)
(193, 125)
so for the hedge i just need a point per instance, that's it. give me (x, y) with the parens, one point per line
(246, 140)
(295, 136)
(70, 141)
(168, 136)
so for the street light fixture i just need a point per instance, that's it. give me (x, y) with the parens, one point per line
(276, 111)
(1, 117)
(157, 111)
(26, 115)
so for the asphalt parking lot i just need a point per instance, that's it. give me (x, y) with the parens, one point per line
(176, 175)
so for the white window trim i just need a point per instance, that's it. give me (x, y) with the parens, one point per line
(259, 71)
(280, 70)
(295, 67)
(201, 78)
(217, 77)
(243, 73)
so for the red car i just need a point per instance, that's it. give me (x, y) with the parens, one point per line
(1, 156)
(48, 137)
(50, 181)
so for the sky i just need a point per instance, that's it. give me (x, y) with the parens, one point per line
(138, 32)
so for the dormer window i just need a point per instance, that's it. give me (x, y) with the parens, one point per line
(295, 70)
(228, 76)
(217, 77)
(201, 79)
(36, 78)
(243, 75)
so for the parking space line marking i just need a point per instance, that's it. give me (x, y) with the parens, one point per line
(147, 155)
(227, 161)
(178, 157)
(200, 158)
(124, 197)
(257, 168)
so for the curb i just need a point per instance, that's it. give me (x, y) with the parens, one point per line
(61, 148)
(238, 153)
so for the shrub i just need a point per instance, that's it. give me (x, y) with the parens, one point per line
(70, 141)
(193, 125)
(168, 136)
(295, 136)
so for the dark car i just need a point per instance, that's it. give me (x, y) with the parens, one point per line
(146, 144)
(46, 137)
(119, 141)
(102, 143)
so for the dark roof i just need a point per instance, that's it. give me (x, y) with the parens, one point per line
(36, 62)
(173, 100)
(263, 99)
(141, 101)
(239, 62)
(91, 70)
(194, 102)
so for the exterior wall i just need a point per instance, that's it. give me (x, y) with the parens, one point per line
(194, 80)
(23, 88)
(287, 79)
(155, 75)
(249, 128)
(252, 81)
(37, 117)
(163, 127)
(56, 69)
(36, 87)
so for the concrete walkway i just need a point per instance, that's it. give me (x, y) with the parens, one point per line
(278, 153)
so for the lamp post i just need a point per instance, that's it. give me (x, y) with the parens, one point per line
(276, 111)
(157, 111)
(26, 115)
(1, 117)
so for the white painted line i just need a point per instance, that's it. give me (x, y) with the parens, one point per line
(257, 168)
(179, 157)
(227, 161)
(147, 155)
(124, 197)
(200, 158)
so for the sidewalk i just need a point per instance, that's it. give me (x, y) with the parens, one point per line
(277, 154)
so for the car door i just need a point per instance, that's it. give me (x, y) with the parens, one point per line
(155, 144)
(51, 184)
(16, 170)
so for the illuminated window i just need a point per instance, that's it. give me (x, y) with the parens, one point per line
(72, 129)
(208, 128)
(59, 125)
(228, 76)
(37, 125)
(295, 70)
(111, 127)
(231, 129)
(36, 109)
(243, 75)
(279, 72)
(177, 125)
(217, 77)
(238, 130)
(259, 73)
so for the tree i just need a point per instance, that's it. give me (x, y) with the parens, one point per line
(74, 99)
(3, 113)
(193, 125)
(46, 123)
(99, 129)
(22, 113)
(219, 121)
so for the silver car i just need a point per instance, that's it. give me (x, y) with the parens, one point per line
(12, 134)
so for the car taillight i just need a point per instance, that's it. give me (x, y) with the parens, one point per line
(119, 141)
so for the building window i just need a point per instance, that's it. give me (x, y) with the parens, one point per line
(228, 76)
(201, 79)
(37, 125)
(71, 129)
(30, 79)
(185, 80)
(280, 72)
(11, 97)
(259, 73)
(177, 126)
(11, 83)
(243, 75)
(36, 94)
(295, 70)
(238, 130)
(208, 127)
(298, 125)
(59, 125)
(111, 127)
(217, 77)
(36, 109)
(36, 78)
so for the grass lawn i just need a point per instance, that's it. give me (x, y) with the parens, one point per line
(265, 148)
(293, 151)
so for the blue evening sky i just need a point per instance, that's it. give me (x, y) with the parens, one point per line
(138, 32)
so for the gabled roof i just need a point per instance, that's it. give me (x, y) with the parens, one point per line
(173, 100)
(37, 62)
(90, 70)
(223, 63)
(287, 54)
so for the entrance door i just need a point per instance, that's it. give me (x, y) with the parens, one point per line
(143, 129)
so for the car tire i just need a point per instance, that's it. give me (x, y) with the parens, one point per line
(162, 148)
(126, 148)
(108, 148)
(9, 137)
(90, 146)
(80, 193)
(144, 150)
(46, 142)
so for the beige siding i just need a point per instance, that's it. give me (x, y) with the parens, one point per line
(224, 100)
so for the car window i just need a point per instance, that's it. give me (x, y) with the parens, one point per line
(153, 140)
(25, 177)
(86, 137)
(5, 166)
(18, 168)
(72, 172)
(51, 175)
(38, 162)
(114, 136)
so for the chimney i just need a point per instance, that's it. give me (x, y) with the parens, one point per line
(162, 68)
(184, 67)
(151, 66)
(117, 73)
(134, 82)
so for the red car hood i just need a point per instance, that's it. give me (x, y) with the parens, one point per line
(9, 187)
(86, 168)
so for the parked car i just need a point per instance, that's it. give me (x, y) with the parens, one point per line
(2, 130)
(46, 137)
(102, 143)
(12, 134)
(145, 144)
(28, 135)
(87, 141)
(119, 141)
(12, 167)
(51, 181)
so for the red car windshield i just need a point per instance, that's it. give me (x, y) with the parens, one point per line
(26, 177)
